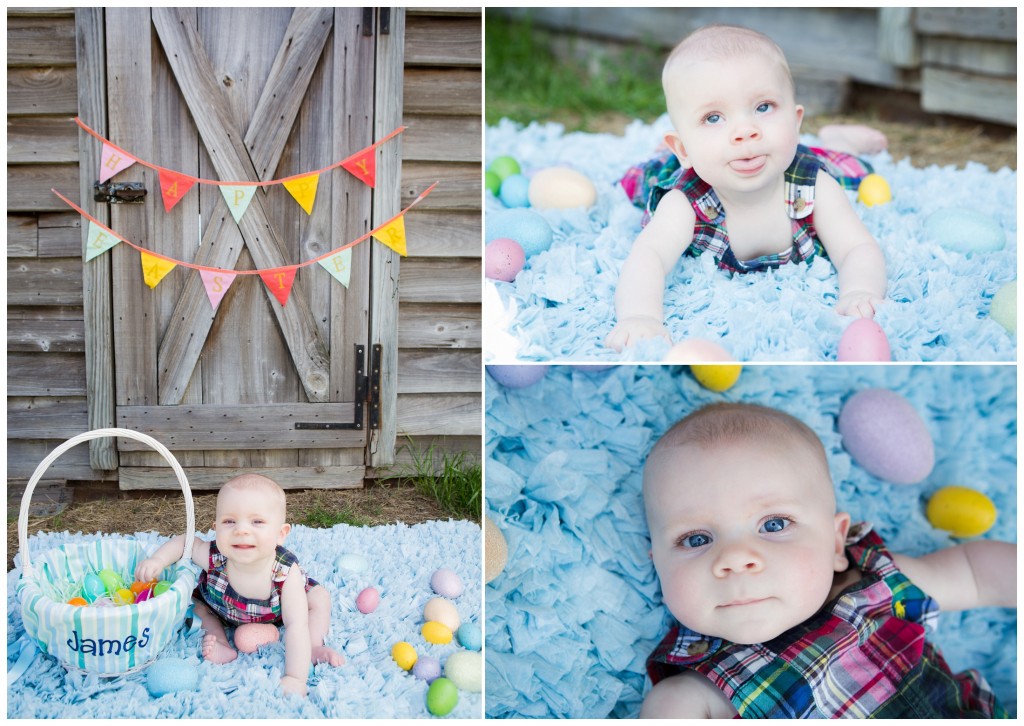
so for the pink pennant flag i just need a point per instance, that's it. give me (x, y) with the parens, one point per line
(363, 166)
(173, 186)
(216, 283)
(113, 161)
(304, 190)
(280, 281)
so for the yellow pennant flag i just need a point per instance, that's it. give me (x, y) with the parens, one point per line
(304, 190)
(155, 269)
(393, 235)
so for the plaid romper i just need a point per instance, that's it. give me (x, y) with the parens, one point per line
(233, 609)
(862, 655)
(647, 183)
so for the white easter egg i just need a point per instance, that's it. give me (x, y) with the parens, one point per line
(561, 188)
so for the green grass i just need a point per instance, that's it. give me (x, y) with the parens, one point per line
(323, 518)
(455, 480)
(525, 81)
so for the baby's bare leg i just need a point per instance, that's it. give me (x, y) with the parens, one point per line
(852, 139)
(319, 623)
(216, 648)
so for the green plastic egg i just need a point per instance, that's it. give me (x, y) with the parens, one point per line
(1004, 306)
(160, 588)
(504, 167)
(442, 697)
(492, 181)
(112, 581)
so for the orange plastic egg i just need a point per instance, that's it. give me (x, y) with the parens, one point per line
(78, 602)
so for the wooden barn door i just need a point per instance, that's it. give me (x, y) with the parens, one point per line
(244, 94)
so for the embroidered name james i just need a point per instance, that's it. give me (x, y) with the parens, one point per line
(107, 647)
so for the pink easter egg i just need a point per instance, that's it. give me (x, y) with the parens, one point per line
(698, 350)
(367, 600)
(503, 259)
(249, 637)
(864, 341)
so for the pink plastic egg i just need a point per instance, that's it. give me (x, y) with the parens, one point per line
(143, 596)
(697, 350)
(367, 600)
(885, 435)
(503, 259)
(864, 340)
(249, 637)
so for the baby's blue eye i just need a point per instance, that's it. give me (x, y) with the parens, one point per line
(712, 118)
(695, 540)
(764, 107)
(775, 524)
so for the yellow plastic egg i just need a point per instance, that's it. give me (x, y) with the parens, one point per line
(716, 378)
(404, 655)
(874, 189)
(436, 633)
(961, 511)
(124, 596)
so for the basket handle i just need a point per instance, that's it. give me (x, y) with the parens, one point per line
(26, 498)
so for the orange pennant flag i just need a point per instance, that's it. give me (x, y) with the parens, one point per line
(155, 269)
(363, 165)
(304, 190)
(173, 187)
(393, 234)
(280, 281)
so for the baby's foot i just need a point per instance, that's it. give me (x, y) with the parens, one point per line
(323, 654)
(216, 651)
(853, 138)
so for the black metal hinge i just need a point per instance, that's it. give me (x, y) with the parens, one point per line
(119, 192)
(385, 21)
(367, 394)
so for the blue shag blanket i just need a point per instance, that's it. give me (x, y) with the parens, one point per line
(401, 559)
(561, 306)
(577, 610)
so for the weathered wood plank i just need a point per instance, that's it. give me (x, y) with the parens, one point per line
(460, 187)
(980, 56)
(440, 280)
(50, 90)
(439, 371)
(41, 140)
(433, 233)
(442, 138)
(55, 312)
(969, 94)
(210, 427)
(56, 281)
(22, 235)
(441, 41)
(442, 92)
(60, 234)
(49, 497)
(50, 374)
(44, 336)
(28, 187)
(968, 22)
(412, 452)
(24, 456)
(898, 43)
(33, 41)
(454, 414)
(439, 326)
(67, 418)
(213, 478)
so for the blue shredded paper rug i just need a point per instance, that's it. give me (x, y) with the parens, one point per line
(400, 559)
(574, 614)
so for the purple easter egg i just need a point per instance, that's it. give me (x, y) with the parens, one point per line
(518, 376)
(886, 436)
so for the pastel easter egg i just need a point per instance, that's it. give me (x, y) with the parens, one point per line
(504, 166)
(404, 655)
(93, 587)
(465, 668)
(112, 581)
(427, 669)
(367, 600)
(517, 376)
(716, 377)
(874, 190)
(503, 259)
(171, 675)
(529, 229)
(964, 230)
(441, 610)
(251, 636)
(495, 550)
(442, 696)
(561, 188)
(698, 350)
(885, 435)
(160, 588)
(436, 633)
(469, 636)
(864, 340)
(961, 511)
(515, 191)
(350, 562)
(124, 596)
(1004, 306)
(446, 583)
(492, 182)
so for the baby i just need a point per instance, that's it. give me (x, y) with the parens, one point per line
(784, 609)
(741, 187)
(248, 577)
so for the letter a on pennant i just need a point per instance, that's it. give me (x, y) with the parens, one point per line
(280, 281)
(363, 165)
(393, 234)
(113, 161)
(339, 265)
(216, 283)
(173, 186)
(238, 199)
(304, 190)
(155, 269)
(100, 240)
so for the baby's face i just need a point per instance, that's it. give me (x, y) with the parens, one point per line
(249, 525)
(736, 122)
(744, 537)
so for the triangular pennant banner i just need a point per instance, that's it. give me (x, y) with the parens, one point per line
(155, 269)
(100, 240)
(393, 234)
(173, 186)
(113, 161)
(280, 282)
(339, 265)
(216, 283)
(304, 190)
(363, 165)
(238, 199)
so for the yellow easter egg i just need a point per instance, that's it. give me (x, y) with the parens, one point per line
(716, 378)
(961, 511)
(873, 190)
(124, 596)
(436, 633)
(404, 655)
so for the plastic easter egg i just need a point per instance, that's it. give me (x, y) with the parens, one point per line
(143, 596)
(886, 436)
(367, 600)
(442, 696)
(465, 668)
(93, 587)
(441, 610)
(864, 340)
(504, 166)
(427, 669)
(251, 636)
(404, 655)
(698, 350)
(1004, 306)
(78, 602)
(495, 551)
(964, 230)
(529, 229)
(160, 588)
(515, 191)
(492, 182)
(124, 596)
(561, 188)
(436, 633)
(716, 378)
(469, 636)
(112, 581)
(137, 587)
(961, 511)
(503, 259)
(171, 675)
(874, 190)
(516, 376)
(349, 562)
(446, 583)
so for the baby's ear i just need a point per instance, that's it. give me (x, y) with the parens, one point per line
(675, 143)
(842, 524)
(285, 529)
(799, 116)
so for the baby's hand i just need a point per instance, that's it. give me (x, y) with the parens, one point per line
(148, 570)
(629, 331)
(858, 304)
(294, 686)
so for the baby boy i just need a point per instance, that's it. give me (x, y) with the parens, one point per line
(784, 609)
(744, 189)
(249, 577)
